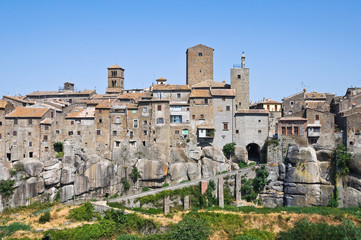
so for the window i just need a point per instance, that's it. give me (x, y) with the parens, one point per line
(316, 129)
(52, 114)
(114, 133)
(145, 109)
(100, 120)
(185, 131)
(313, 140)
(45, 138)
(283, 130)
(117, 120)
(223, 99)
(259, 131)
(72, 122)
(46, 149)
(317, 117)
(225, 126)
(175, 119)
(188, 109)
(160, 120)
(176, 132)
(15, 133)
(30, 144)
(193, 117)
(131, 134)
(100, 110)
(31, 154)
(202, 116)
(292, 103)
(205, 101)
(1, 123)
(159, 107)
(176, 108)
(290, 113)
(200, 54)
(15, 122)
(135, 123)
(99, 132)
(357, 131)
(351, 143)
(289, 130)
(295, 130)
(134, 111)
(145, 133)
(30, 121)
(79, 133)
(117, 144)
(237, 131)
(228, 108)
(70, 100)
(70, 133)
(114, 73)
(57, 132)
(46, 127)
(144, 143)
(178, 95)
(239, 76)
(159, 95)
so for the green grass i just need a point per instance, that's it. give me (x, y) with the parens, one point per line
(12, 228)
(36, 207)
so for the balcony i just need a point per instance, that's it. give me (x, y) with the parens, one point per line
(313, 130)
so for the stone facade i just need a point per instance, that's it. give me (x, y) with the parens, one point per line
(199, 64)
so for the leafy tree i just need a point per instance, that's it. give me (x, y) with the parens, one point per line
(191, 228)
(7, 188)
(45, 217)
(228, 149)
(58, 147)
(343, 159)
(126, 185)
(134, 175)
(261, 179)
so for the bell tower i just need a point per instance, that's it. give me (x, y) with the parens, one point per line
(240, 82)
(115, 79)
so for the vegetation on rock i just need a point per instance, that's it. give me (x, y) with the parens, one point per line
(7, 188)
(228, 149)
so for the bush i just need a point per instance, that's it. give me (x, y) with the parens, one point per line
(115, 215)
(255, 234)
(191, 228)
(343, 159)
(134, 175)
(17, 168)
(228, 149)
(58, 147)
(313, 231)
(145, 189)
(59, 154)
(334, 198)
(126, 184)
(7, 188)
(12, 228)
(252, 187)
(83, 213)
(165, 185)
(45, 217)
(127, 237)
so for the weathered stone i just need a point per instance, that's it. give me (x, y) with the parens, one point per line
(277, 186)
(211, 168)
(26, 191)
(32, 167)
(52, 177)
(56, 166)
(51, 193)
(296, 154)
(303, 172)
(50, 162)
(272, 200)
(325, 172)
(80, 185)
(166, 205)
(238, 187)
(152, 170)
(66, 193)
(302, 194)
(352, 197)
(214, 153)
(241, 154)
(220, 192)
(194, 171)
(324, 155)
(177, 155)
(326, 194)
(67, 175)
(4, 171)
(355, 164)
(354, 182)
(234, 166)
(185, 203)
(178, 172)
(282, 171)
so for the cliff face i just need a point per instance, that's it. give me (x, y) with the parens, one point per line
(299, 174)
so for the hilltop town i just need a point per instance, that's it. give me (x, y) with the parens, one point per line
(84, 144)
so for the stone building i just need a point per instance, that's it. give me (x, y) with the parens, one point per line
(199, 64)
(240, 82)
(292, 126)
(115, 80)
(5, 108)
(18, 101)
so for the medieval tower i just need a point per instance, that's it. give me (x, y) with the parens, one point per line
(115, 79)
(199, 64)
(240, 82)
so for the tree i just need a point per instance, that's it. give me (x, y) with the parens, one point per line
(343, 159)
(134, 175)
(228, 149)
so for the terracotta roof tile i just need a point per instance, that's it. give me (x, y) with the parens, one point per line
(27, 112)
(200, 94)
(135, 96)
(47, 121)
(3, 103)
(58, 93)
(115, 66)
(171, 87)
(18, 99)
(80, 112)
(223, 92)
(106, 104)
(272, 102)
(208, 83)
(315, 95)
(114, 90)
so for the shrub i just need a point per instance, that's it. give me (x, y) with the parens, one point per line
(127, 237)
(134, 175)
(334, 198)
(59, 154)
(145, 189)
(45, 217)
(7, 188)
(228, 149)
(343, 159)
(17, 168)
(12, 228)
(165, 185)
(115, 215)
(58, 147)
(255, 234)
(191, 228)
(252, 187)
(83, 213)
(126, 185)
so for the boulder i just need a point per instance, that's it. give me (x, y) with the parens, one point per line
(4, 171)
(99, 174)
(50, 162)
(214, 153)
(354, 182)
(67, 175)
(302, 194)
(178, 172)
(325, 172)
(352, 197)
(303, 172)
(211, 168)
(234, 166)
(241, 154)
(66, 193)
(326, 194)
(152, 170)
(296, 154)
(282, 171)
(80, 185)
(194, 171)
(177, 155)
(57, 166)
(324, 155)
(355, 164)
(32, 167)
(272, 200)
(52, 177)
(26, 191)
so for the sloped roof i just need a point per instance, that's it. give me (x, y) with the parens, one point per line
(271, 102)
(105, 104)
(80, 112)
(136, 96)
(223, 92)
(18, 99)
(57, 93)
(27, 112)
(252, 111)
(293, 119)
(209, 83)
(170, 87)
(115, 66)
(3, 103)
(200, 94)
(315, 95)
(114, 90)
(200, 45)
(47, 121)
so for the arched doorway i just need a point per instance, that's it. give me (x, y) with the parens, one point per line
(253, 150)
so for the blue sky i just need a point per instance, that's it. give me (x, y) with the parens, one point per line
(289, 44)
